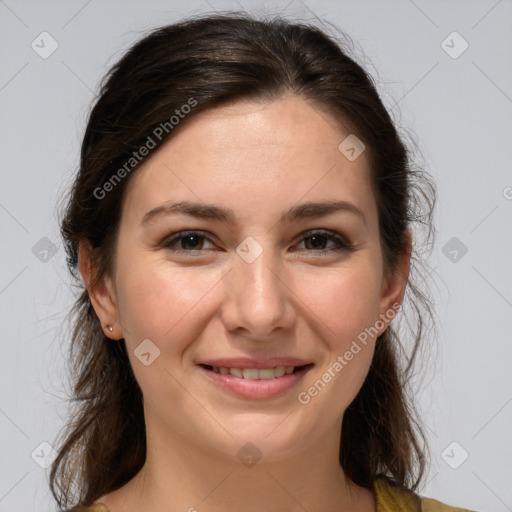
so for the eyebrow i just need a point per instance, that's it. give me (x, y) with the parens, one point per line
(309, 210)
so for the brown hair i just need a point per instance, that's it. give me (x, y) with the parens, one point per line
(215, 59)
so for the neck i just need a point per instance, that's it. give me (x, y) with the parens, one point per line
(184, 477)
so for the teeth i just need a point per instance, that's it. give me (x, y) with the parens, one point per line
(236, 372)
(280, 371)
(249, 373)
(266, 374)
(255, 373)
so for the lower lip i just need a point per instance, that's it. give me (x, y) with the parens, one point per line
(257, 388)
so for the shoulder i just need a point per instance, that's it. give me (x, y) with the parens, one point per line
(93, 508)
(391, 498)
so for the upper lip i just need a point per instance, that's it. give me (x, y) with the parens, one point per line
(247, 362)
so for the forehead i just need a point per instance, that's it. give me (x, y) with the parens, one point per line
(262, 156)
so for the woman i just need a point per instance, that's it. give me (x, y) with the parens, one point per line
(242, 223)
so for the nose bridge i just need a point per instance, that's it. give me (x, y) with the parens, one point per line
(258, 296)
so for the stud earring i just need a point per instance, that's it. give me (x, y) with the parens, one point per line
(110, 328)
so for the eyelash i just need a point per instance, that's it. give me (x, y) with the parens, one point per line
(342, 243)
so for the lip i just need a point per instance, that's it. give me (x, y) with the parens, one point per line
(247, 362)
(256, 389)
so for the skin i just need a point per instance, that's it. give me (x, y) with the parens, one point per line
(257, 159)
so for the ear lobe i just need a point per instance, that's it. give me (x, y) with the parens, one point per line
(101, 292)
(395, 283)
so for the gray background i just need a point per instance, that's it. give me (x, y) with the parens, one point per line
(460, 110)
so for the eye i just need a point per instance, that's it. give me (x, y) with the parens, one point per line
(186, 241)
(318, 242)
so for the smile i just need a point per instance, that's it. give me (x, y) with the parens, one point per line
(255, 373)
(256, 383)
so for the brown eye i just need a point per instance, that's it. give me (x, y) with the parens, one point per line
(317, 242)
(186, 241)
(192, 241)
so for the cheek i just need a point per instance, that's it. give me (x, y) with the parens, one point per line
(345, 300)
(345, 305)
(157, 302)
(166, 307)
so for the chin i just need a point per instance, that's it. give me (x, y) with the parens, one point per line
(269, 437)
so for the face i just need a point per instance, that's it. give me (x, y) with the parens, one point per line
(272, 264)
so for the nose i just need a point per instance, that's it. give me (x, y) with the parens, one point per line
(258, 298)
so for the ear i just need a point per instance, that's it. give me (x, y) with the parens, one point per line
(394, 285)
(101, 293)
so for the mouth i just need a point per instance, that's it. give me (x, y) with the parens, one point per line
(255, 373)
(256, 383)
